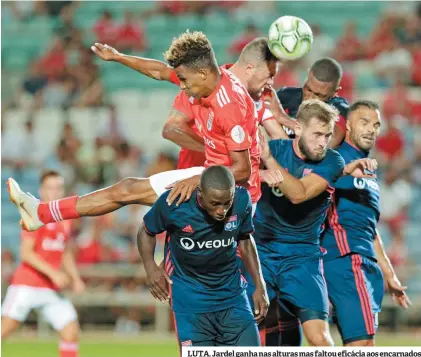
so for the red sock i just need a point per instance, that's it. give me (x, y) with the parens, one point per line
(69, 349)
(59, 210)
(262, 334)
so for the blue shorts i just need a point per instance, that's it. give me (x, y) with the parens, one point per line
(296, 282)
(355, 285)
(234, 326)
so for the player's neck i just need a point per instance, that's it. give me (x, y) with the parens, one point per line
(351, 143)
(297, 150)
(213, 84)
(238, 71)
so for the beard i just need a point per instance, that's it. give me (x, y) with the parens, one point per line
(305, 150)
(362, 144)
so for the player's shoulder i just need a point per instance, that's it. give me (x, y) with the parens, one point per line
(242, 198)
(334, 158)
(284, 144)
(341, 104)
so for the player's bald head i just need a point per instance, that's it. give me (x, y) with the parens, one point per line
(327, 70)
(256, 51)
(217, 178)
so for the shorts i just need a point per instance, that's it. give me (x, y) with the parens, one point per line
(234, 326)
(297, 283)
(55, 309)
(163, 179)
(355, 284)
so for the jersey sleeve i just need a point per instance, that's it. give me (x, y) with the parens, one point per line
(174, 79)
(342, 106)
(247, 226)
(158, 217)
(234, 121)
(183, 105)
(275, 147)
(267, 115)
(331, 168)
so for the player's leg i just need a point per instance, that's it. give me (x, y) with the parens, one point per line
(144, 191)
(282, 328)
(355, 286)
(193, 329)
(303, 293)
(236, 325)
(60, 313)
(16, 306)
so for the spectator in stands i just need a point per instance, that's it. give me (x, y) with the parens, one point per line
(112, 132)
(323, 46)
(349, 47)
(60, 92)
(130, 34)
(286, 76)
(106, 29)
(53, 62)
(30, 95)
(127, 161)
(390, 145)
(416, 163)
(7, 266)
(382, 37)
(250, 33)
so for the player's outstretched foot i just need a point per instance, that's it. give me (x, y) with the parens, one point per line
(26, 204)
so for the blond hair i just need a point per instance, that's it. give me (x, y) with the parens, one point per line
(315, 108)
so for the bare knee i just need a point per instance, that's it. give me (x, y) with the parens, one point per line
(361, 343)
(70, 332)
(8, 326)
(320, 338)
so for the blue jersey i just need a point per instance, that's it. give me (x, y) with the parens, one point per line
(296, 226)
(292, 97)
(353, 216)
(201, 253)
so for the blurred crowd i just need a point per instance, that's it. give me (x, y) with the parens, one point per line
(66, 75)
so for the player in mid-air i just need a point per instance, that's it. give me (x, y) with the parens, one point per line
(37, 281)
(205, 236)
(223, 110)
(323, 83)
(356, 262)
(289, 218)
(255, 69)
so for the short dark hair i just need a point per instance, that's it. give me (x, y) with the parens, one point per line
(193, 50)
(257, 50)
(48, 173)
(217, 178)
(315, 108)
(327, 70)
(363, 103)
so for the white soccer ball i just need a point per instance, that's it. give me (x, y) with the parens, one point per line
(290, 38)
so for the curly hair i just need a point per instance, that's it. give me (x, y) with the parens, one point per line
(192, 50)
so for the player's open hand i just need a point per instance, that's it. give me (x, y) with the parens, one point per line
(271, 100)
(272, 177)
(182, 189)
(157, 279)
(397, 292)
(105, 52)
(261, 304)
(362, 168)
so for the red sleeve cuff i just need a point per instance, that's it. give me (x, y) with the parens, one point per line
(341, 123)
(174, 79)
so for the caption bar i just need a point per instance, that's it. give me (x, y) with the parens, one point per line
(301, 352)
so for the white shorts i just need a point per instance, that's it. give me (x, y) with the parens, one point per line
(55, 309)
(163, 179)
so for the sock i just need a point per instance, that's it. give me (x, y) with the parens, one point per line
(59, 210)
(262, 334)
(69, 349)
(291, 334)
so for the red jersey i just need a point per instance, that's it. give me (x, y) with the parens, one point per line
(50, 241)
(227, 121)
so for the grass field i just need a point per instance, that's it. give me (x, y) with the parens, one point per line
(147, 345)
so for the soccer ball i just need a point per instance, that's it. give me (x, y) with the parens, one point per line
(290, 38)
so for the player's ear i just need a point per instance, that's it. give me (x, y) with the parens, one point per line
(298, 128)
(249, 69)
(348, 125)
(203, 74)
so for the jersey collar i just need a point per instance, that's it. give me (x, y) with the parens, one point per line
(362, 154)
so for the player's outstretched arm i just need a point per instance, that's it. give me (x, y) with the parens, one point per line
(274, 129)
(156, 276)
(30, 257)
(178, 130)
(251, 261)
(149, 67)
(394, 286)
(274, 105)
(69, 266)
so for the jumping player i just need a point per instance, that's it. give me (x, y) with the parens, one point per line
(202, 268)
(222, 109)
(323, 83)
(37, 281)
(355, 258)
(290, 215)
